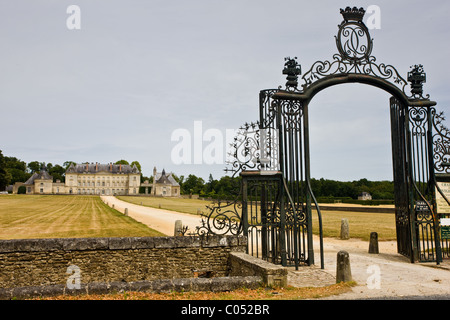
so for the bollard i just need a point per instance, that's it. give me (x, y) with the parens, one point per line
(345, 233)
(178, 228)
(113, 206)
(343, 270)
(126, 211)
(373, 243)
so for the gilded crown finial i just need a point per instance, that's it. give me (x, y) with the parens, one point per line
(353, 14)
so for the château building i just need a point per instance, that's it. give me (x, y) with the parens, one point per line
(87, 178)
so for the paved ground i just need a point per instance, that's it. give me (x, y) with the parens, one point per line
(386, 275)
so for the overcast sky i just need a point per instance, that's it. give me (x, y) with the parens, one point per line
(135, 71)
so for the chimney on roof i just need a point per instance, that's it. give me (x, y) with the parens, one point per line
(110, 166)
(87, 166)
(96, 166)
(120, 167)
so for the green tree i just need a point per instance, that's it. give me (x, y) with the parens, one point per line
(193, 184)
(180, 179)
(137, 164)
(122, 162)
(58, 172)
(227, 186)
(13, 162)
(35, 166)
(210, 185)
(67, 164)
(18, 175)
(5, 176)
(17, 169)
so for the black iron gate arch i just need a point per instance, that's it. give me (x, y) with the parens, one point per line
(273, 207)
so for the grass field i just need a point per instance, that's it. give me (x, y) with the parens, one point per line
(192, 206)
(47, 216)
(361, 223)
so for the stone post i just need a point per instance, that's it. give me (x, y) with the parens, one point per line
(126, 211)
(373, 244)
(343, 270)
(345, 233)
(178, 228)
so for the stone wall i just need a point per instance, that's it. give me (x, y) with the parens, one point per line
(242, 264)
(49, 262)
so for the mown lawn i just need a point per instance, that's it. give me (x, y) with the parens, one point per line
(361, 224)
(64, 216)
(192, 206)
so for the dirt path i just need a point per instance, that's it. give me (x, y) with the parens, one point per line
(157, 219)
(383, 275)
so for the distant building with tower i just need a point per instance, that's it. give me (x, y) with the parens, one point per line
(164, 184)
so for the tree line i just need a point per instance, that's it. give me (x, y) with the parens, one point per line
(14, 170)
(224, 188)
(324, 189)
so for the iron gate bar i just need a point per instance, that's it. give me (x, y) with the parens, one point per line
(433, 186)
(403, 214)
(248, 176)
(422, 182)
(319, 214)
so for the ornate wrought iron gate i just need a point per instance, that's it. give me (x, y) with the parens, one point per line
(400, 168)
(274, 205)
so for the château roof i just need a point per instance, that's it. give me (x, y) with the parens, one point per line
(98, 167)
(43, 175)
(163, 178)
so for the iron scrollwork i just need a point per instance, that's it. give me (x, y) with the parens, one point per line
(418, 119)
(353, 39)
(246, 149)
(355, 45)
(441, 143)
(253, 149)
(223, 219)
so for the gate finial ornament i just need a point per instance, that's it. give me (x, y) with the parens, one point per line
(417, 77)
(353, 39)
(354, 14)
(292, 69)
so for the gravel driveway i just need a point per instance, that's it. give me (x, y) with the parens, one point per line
(386, 275)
